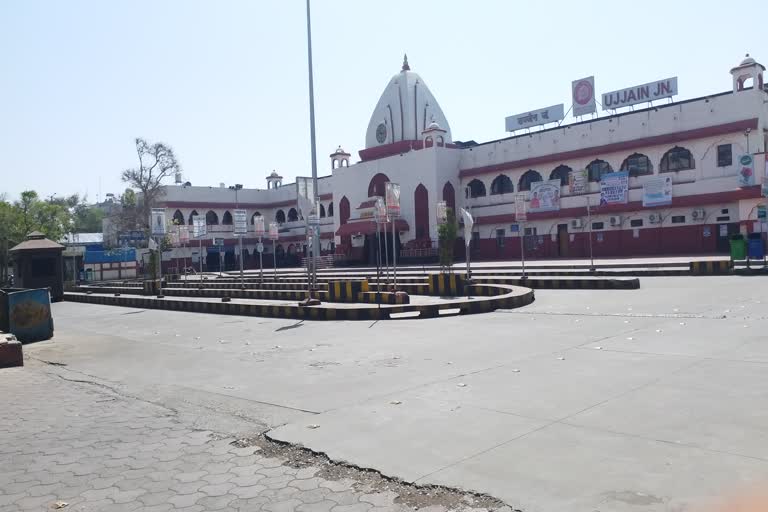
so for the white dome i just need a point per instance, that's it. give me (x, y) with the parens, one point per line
(404, 110)
(748, 61)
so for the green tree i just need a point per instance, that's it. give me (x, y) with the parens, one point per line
(446, 235)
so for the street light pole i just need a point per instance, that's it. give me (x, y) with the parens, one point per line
(316, 198)
(237, 187)
(589, 225)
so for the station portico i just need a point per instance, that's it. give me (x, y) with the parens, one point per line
(694, 148)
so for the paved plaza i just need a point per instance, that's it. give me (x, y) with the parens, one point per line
(626, 401)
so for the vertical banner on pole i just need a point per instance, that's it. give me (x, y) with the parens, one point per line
(469, 223)
(241, 222)
(157, 221)
(521, 215)
(393, 210)
(442, 212)
(199, 230)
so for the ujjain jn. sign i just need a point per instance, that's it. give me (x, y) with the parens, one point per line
(640, 94)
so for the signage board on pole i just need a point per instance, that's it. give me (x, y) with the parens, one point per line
(442, 212)
(538, 117)
(583, 96)
(157, 221)
(274, 231)
(260, 247)
(746, 171)
(613, 187)
(545, 196)
(380, 211)
(199, 228)
(640, 94)
(393, 199)
(258, 225)
(240, 221)
(184, 234)
(520, 213)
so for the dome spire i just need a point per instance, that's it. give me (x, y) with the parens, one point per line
(406, 67)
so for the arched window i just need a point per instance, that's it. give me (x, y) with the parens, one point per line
(449, 196)
(279, 216)
(330, 209)
(530, 176)
(502, 185)
(226, 220)
(562, 173)
(178, 218)
(476, 188)
(211, 218)
(322, 210)
(597, 168)
(677, 159)
(421, 211)
(254, 216)
(637, 164)
(344, 210)
(377, 186)
(192, 216)
(293, 215)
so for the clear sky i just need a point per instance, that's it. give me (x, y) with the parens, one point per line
(225, 82)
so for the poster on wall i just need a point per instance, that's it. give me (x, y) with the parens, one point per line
(577, 181)
(613, 188)
(545, 196)
(746, 171)
(657, 191)
(157, 221)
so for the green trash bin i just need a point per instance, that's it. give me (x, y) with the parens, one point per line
(738, 247)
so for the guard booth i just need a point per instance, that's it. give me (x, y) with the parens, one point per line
(39, 263)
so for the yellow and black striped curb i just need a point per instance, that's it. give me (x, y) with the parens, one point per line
(506, 297)
(346, 291)
(565, 284)
(236, 293)
(446, 284)
(711, 267)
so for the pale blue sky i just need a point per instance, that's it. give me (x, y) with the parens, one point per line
(224, 82)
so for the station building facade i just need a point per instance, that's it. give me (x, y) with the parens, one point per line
(698, 144)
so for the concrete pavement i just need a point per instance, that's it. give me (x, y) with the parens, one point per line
(641, 400)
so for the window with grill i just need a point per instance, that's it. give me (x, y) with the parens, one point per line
(724, 155)
(597, 168)
(677, 159)
(598, 225)
(476, 188)
(638, 165)
(502, 185)
(678, 219)
(636, 223)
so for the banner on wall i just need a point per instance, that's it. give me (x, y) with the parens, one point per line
(613, 188)
(657, 191)
(746, 171)
(577, 181)
(545, 196)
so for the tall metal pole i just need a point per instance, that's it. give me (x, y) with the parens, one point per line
(589, 225)
(200, 259)
(261, 261)
(522, 246)
(240, 243)
(378, 258)
(394, 254)
(386, 253)
(316, 198)
(274, 256)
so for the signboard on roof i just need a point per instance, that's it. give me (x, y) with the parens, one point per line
(538, 117)
(640, 94)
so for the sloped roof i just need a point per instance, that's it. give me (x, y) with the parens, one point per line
(36, 241)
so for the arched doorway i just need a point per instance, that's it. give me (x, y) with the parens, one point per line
(421, 208)
(377, 185)
(449, 196)
(192, 217)
(178, 218)
(344, 213)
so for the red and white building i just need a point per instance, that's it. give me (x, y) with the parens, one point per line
(697, 143)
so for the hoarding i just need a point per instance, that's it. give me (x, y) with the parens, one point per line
(640, 94)
(657, 191)
(583, 96)
(545, 196)
(535, 118)
(613, 187)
